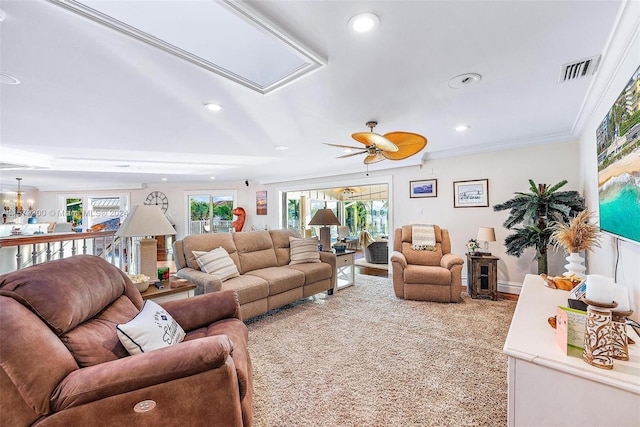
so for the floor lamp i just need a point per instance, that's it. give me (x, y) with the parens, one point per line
(325, 217)
(146, 221)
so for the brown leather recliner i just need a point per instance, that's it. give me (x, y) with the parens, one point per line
(63, 365)
(426, 275)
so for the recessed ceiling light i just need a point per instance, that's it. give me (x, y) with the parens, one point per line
(213, 107)
(212, 177)
(463, 80)
(164, 179)
(281, 147)
(364, 22)
(6, 79)
(348, 150)
(462, 128)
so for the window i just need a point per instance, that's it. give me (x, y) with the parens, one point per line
(210, 212)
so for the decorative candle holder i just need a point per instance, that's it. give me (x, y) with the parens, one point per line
(598, 345)
(619, 337)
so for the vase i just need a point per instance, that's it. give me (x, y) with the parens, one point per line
(575, 266)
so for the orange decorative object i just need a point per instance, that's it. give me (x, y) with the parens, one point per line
(239, 223)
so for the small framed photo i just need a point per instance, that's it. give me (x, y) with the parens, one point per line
(424, 188)
(261, 202)
(471, 194)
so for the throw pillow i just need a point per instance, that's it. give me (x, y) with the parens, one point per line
(303, 250)
(151, 329)
(217, 262)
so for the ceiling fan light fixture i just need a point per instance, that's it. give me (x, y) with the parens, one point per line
(364, 22)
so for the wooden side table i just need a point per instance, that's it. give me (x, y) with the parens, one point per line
(345, 269)
(482, 276)
(181, 289)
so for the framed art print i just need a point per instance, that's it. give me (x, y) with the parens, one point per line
(261, 202)
(424, 188)
(471, 194)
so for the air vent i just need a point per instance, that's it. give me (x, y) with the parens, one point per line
(576, 70)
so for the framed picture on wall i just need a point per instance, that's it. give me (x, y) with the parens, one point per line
(261, 202)
(471, 194)
(424, 188)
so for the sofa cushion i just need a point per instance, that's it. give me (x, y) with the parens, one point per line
(423, 274)
(280, 279)
(96, 340)
(217, 262)
(255, 250)
(304, 250)
(313, 272)
(208, 242)
(249, 288)
(151, 329)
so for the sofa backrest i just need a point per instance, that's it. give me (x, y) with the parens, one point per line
(403, 240)
(183, 249)
(280, 239)
(255, 250)
(249, 250)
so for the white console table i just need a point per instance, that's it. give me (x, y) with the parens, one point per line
(549, 388)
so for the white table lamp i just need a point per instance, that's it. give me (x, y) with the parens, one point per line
(146, 221)
(487, 234)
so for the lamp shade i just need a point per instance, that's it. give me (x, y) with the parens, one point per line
(324, 217)
(145, 220)
(486, 234)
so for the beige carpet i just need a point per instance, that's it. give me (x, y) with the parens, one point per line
(363, 357)
(363, 263)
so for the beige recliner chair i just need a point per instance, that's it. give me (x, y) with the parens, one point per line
(426, 275)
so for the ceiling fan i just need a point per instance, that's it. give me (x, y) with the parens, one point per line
(392, 146)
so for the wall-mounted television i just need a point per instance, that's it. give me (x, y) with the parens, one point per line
(618, 145)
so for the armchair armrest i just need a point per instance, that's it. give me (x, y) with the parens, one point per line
(398, 257)
(132, 373)
(203, 310)
(208, 282)
(449, 260)
(330, 258)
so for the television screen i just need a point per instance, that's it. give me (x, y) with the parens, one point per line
(618, 140)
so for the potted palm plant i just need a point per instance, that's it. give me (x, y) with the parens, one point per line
(532, 216)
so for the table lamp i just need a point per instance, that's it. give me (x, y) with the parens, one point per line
(146, 221)
(487, 234)
(325, 217)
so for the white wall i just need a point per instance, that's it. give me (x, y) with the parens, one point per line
(614, 73)
(508, 172)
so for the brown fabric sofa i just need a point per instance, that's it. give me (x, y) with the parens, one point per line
(63, 365)
(266, 280)
(426, 275)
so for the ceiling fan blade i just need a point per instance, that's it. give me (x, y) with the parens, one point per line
(352, 154)
(373, 158)
(353, 147)
(370, 138)
(408, 144)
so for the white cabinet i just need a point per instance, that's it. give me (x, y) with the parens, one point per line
(548, 388)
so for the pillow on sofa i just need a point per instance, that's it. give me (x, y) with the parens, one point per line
(217, 262)
(151, 329)
(303, 250)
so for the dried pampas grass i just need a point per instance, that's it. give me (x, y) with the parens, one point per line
(578, 235)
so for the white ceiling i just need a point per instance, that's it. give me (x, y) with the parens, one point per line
(98, 109)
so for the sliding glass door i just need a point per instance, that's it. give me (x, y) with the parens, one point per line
(210, 212)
